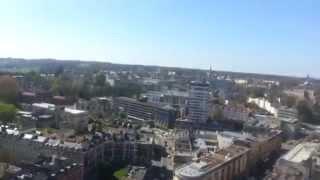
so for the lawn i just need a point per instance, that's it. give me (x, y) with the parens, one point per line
(121, 174)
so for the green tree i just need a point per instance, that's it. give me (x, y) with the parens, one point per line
(305, 113)
(217, 114)
(100, 80)
(256, 92)
(7, 113)
(9, 90)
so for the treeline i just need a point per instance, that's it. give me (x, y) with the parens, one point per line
(85, 86)
(8, 98)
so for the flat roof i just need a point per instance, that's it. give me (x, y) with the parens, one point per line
(74, 111)
(44, 105)
(209, 162)
(301, 152)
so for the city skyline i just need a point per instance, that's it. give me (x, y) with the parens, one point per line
(248, 36)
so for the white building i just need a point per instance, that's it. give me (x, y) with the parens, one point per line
(264, 104)
(74, 119)
(198, 102)
(300, 163)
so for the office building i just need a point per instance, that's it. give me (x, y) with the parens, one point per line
(198, 102)
(162, 115)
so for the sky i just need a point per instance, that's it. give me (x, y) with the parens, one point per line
(261, 36)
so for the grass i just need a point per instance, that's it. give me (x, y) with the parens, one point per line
(121, 174)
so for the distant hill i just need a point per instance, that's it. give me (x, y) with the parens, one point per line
(50, 65)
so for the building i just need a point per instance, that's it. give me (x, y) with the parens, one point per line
(172, 97)
(154, 97)
(262, 145)
(52, 116)
(46, 168)
(28, 97)
(285, 113)
(301, 93)
(44, 115)
(288, 118)
(61, 100)
(73, 119)
(43, 108)
(198, 102)
(225, 164)
(236, 113)
(261, 123)
(162, 115)
(87, 152)
(264, 104)
(165, 116)
(98, 107)
(175, 97)
(300, 163)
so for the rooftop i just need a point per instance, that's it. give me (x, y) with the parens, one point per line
(74, 111)
(44, 105)
(210, 161)
(301, 152)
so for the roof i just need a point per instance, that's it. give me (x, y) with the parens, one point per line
(28, 94)
(59, 97)
(301, 152)
(199, 83)
(74, 111)
(41, 139)
(236, 135)
(210, 161)
(28, 136)
(176, 93)
(44, 105)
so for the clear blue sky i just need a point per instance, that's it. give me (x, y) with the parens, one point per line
(267, 36)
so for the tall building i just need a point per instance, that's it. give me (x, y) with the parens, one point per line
(198, 101)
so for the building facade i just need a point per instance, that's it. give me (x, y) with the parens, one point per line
(300, 163)
(198, 102)
(225, 164)
(162, 115)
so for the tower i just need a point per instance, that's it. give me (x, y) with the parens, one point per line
(198, 101)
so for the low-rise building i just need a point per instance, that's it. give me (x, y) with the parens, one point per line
(99, 106)
(162, 115)
(236, 113)
(262, 145)
(46, 168)
(74, 119)
(264, 104)
(300, 163)
(224, 164)
(86, 151)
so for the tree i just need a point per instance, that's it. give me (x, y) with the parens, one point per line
(100, 80)
(305, 113)
(256, 92)
(217, 114)
(123, 115)
(7, 113)
(59, 70)
(291, 101)
(8, 89)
